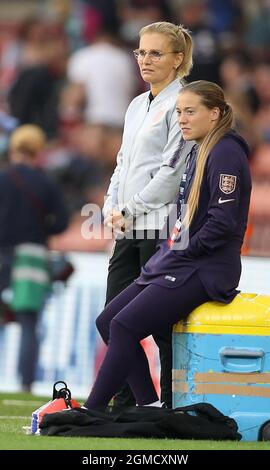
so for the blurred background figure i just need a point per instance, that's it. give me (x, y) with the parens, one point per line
(257, 29)
(34, 95)
(194, 15)
(236, 76)
(31, 209)
(94, 74)
(135, 14)
(7, 125)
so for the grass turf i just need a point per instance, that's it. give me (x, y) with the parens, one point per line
(14, 415)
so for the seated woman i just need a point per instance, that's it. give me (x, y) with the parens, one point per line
(178, 278)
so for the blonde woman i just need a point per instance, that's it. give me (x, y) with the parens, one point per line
(217, 189)
(149, 169)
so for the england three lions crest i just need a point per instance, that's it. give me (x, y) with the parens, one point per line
(227, 183)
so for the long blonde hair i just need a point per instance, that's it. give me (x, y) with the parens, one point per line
(181, 41)
(212, 96)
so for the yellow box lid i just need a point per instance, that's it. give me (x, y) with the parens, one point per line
(246, 314)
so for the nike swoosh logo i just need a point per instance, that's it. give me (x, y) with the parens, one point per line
(221, 201)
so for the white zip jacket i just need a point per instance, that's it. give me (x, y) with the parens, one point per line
(149, 165)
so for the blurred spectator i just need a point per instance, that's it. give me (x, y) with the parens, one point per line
(34, 96)
(84, 19)
(236, 75)
(226, 18)
(26, 47)
(100, 15)
(83, 169)
(261, 80)
(69, 13)
(193, 14)
(102, 82)
(32, 39)
(257, 34)
(224, 15)
(236, 78)
(31, 210)
(260, 167)
(135, 14)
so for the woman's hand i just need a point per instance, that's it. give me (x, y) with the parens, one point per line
(117, 222)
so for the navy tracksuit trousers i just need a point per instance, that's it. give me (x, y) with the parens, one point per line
(137, 312)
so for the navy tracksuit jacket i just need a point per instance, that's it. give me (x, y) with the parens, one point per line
(32, 206)
(218, 227)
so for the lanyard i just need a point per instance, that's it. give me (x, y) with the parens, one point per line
(184, 184)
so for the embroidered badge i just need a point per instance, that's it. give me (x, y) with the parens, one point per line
(227, 183)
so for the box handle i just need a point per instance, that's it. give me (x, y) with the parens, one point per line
(241, 360)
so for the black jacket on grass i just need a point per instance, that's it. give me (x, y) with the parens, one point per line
(199, 421)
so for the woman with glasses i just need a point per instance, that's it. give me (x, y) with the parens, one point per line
(149, 169)
(179, 278)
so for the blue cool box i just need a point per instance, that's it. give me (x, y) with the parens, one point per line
(222, 357)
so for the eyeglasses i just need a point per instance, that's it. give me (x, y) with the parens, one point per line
(155, 56)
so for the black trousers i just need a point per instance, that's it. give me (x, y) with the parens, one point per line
(128, 257)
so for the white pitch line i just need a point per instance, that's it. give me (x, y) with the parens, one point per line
(21, 403)
(13, 417)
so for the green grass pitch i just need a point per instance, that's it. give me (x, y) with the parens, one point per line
(16, 410)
